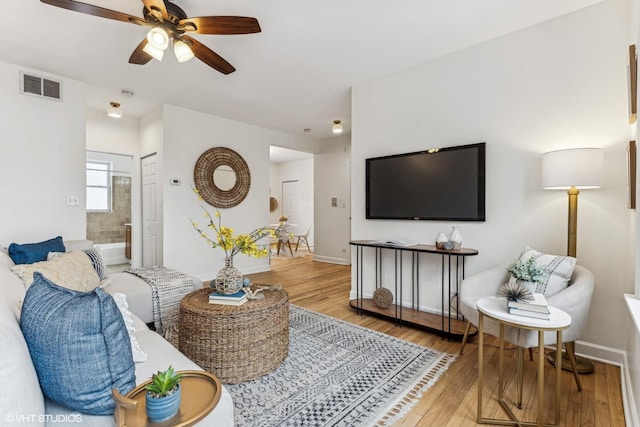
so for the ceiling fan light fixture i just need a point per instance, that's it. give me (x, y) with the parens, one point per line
(114, 110)
(337, 126)
(182, 51)
(158, 38)
(154, 51)
(165, 22)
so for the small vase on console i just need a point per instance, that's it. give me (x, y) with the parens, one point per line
(441, 240)
(456, 238)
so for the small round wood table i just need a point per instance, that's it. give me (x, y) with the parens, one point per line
(200, 394)
(496, 309)
(235, 343)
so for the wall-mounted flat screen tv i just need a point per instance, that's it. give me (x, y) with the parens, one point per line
(446, 184)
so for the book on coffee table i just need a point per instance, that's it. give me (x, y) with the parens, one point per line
(238, 298)
(221, 302)
(238, 295)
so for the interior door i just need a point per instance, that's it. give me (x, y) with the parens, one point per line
(150, 212)
(290, 201)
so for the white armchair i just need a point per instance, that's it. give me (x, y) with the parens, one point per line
(574, 299)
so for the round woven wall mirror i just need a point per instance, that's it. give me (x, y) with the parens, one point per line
(222, 177)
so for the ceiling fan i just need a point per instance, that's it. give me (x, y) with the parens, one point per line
(169, 22)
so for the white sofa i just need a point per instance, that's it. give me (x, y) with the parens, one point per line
(21, 400)
(137, 290)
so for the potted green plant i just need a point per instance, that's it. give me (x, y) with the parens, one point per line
(163, 395)
(527, 273)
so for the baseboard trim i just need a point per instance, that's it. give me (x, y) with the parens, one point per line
(256, 269)
(600, 353)
(628, 401)
(330, 260)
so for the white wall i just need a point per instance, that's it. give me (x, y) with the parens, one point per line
(632, 329)
(42, 158)
(332, 166)
(186, 135)
(559, 84)
(275, 190)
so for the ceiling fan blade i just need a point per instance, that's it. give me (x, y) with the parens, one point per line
(156, 5)
(209, 57)
(90, 9)
(221, 25)
(139, 56)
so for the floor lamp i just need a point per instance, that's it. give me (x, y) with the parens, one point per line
(572, 170)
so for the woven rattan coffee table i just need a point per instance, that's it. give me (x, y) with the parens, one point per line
(235, 343)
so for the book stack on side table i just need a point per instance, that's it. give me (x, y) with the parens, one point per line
(238, 298)
(536, 308)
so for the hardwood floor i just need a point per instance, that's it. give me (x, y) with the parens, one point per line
(452, 401)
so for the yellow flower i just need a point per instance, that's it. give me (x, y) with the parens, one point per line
(224, 238)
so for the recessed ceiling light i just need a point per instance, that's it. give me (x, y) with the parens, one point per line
(307, 130)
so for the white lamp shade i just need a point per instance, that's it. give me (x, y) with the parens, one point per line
(182, 51)
(153, 51)
(158, 37)
(579, 167)
(337, 126)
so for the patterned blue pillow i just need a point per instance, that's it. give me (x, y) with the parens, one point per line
(79, 346)
(98, 263)
(29, 253)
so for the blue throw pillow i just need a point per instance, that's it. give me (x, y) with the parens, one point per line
(79, 346)
(29, 253)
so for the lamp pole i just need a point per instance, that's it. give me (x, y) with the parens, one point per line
(570, 170)
(572, 234)
(584, 366)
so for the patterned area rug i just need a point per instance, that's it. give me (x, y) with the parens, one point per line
(338, 374)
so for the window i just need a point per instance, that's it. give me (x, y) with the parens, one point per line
(99, 186)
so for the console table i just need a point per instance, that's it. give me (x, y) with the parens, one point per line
(452, 273)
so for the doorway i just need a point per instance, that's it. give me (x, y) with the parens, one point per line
(292, 188)
(108, 205)
(290, 201)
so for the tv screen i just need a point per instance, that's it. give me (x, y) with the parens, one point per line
(445, 184)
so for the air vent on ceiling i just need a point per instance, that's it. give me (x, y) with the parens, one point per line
(39, 86)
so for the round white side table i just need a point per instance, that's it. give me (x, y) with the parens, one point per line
(496, 309)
